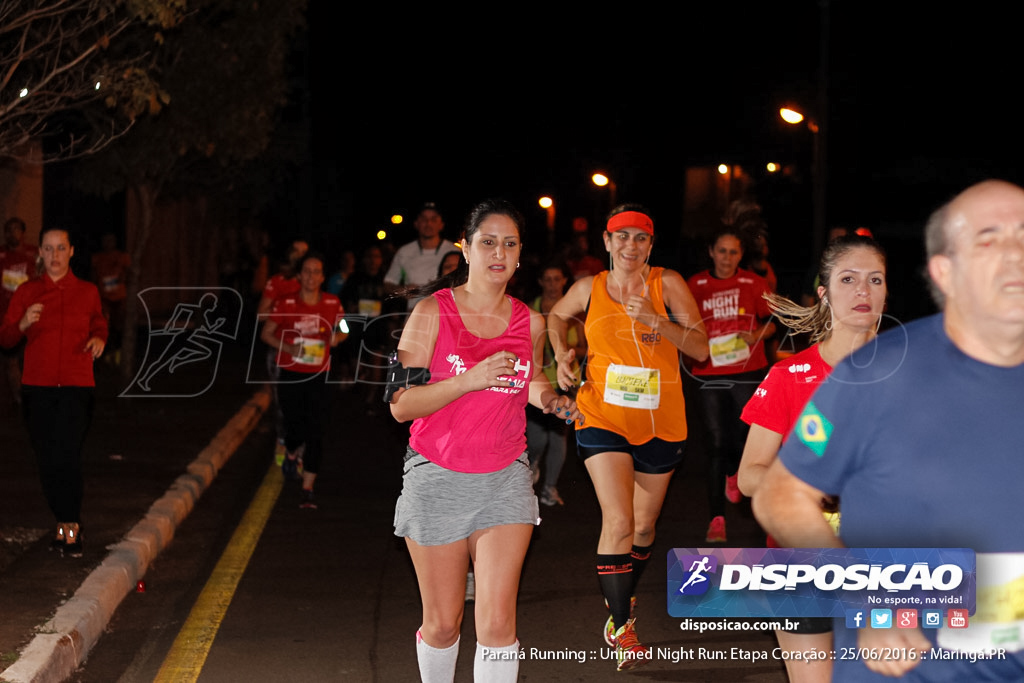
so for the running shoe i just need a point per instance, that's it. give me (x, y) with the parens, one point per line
(716, 530)
(290, 469)
(73, 544)
(628, 650)
(609, 626)
(308, 502)
(470, 587)
(59, 540)
(732, 489)
(549, 496)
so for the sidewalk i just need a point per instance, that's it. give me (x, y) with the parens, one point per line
(139, 450)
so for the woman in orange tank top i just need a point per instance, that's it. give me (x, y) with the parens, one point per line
(638, 319)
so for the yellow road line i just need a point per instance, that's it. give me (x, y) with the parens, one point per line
(185, 660)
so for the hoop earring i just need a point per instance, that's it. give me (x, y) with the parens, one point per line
(517, 264)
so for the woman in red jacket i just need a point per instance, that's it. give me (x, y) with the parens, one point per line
(61, 318)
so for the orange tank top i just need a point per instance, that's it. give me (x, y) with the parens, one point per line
(633, 385)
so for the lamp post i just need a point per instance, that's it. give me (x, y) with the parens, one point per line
(602, 180)
(794, 117)
(548, 204)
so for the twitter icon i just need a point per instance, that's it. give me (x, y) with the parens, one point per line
(881, 618)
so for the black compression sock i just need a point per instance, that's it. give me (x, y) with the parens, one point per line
(615, 574)
(640, 556)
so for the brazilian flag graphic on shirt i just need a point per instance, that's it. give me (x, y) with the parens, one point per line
(813, 429)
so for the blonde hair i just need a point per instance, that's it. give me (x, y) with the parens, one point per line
(817, 319)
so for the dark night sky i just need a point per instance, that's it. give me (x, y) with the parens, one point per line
(456, 108)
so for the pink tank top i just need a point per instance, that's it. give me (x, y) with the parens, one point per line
(482, 431)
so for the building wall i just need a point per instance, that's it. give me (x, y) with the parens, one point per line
(21, 190)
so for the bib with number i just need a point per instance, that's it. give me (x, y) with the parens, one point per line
(632, 387)
(369, 307)
(312, 351)
(998, 621)
(13, 278)
(728, 349)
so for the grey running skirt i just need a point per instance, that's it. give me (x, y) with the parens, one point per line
(439, 506)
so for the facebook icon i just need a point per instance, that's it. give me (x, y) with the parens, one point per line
(855, 618)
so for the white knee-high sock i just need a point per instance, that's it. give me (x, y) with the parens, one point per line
(436, 666)
(496, 664)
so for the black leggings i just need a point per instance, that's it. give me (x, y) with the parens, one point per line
(722, 398)
(58, 419)
(304, 404)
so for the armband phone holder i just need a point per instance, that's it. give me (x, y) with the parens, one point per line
(401, 377)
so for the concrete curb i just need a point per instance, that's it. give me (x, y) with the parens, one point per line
(64, 642)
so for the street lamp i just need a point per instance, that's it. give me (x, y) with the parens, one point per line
(795, 117)
(601, 180)
(548, 204)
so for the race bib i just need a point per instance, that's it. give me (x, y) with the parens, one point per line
(312, 351)
(632, 387)
(13, 278)
(369, 307)
(998, 621)
(728, 349)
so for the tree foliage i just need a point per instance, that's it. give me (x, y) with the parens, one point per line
(70, 74)
(226, 70)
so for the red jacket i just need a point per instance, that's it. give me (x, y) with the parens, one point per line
(55, 353)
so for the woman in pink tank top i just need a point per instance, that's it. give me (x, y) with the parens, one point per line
(467, 488)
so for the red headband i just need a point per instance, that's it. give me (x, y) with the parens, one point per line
(631, 219)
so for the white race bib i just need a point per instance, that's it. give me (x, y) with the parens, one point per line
(998, 621)
(728, 349)
(13, 278)
(632, 387)
(369, 307)
(312, 351)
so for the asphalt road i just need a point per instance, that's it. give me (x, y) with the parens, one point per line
(328, 594)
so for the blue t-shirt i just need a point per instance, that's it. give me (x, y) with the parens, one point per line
(924, 445)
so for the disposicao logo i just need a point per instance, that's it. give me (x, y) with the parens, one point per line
(696, 580)
(820, 582)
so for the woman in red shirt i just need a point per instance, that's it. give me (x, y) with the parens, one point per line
(847, 316)
(303, 328)
(62, 321)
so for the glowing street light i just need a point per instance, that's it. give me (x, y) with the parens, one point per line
(795, 117)
(791, 116)
(602, 180)
(548, 204)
